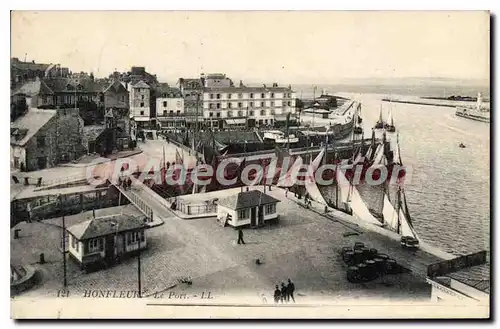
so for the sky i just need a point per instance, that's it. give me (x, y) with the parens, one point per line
(285, 47)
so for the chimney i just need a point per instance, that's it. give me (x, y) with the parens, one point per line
(241, 83)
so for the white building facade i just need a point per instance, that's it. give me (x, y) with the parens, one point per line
(262, 104)
(139, 98)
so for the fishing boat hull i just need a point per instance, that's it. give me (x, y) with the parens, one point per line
(379, 125)
(390, 129)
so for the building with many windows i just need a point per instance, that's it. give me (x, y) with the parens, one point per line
(170, 108)
(229, 106)
(139, 98)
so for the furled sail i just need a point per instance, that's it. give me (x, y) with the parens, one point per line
(380, 115)
(406, 228)
(390, 214)
(390, 119)
(290, 178)
(310, 182)
(317, 161)
(369, 152)
(379, 154)
(350, 196)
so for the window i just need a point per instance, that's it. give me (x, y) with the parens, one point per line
(122, 98)
(164, 113)
(143, 236)
(243, 214)
(164, 103)
(211, 114)
(210, 106)
(171, 112)
(240, 104)
(262, 104)
(262, 112)
(228, 96)
(142, 112)
(218, 105)
(262, 95)
(74, 243)
(251, 95)
(40, 141)
(265, 121)
(178, 112)
(270, 209)
(240, 96)
(272, 95)
(142, 104)
(229, 114)
(251, 104)
(211, 96)
(229, 105)
(134, 237)
(240, 113)
(16, 162)
(95, 245)
(251, 113)
(289, 103)
(142, 96)
(218, 96)
(272, 104)
(272, 112)
(101, 98)
(218, 114)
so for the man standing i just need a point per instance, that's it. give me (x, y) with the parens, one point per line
(240, 236)
(290, 289)
(283, 293)
(277, 295)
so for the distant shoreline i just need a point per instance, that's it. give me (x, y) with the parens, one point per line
(416, 102)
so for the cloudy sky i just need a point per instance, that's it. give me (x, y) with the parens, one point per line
(287, 47)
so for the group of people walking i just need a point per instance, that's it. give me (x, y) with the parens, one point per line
(284, 293)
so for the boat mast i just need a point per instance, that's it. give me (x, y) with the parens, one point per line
(399, 207)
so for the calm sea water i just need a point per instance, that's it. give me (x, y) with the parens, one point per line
(449, 193)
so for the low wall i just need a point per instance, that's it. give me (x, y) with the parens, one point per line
(24, 283)
(44, 207)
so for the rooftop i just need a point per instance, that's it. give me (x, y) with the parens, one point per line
(102, 226)
(249, 199)
(28, 125)
(246, 89)
(476, 276)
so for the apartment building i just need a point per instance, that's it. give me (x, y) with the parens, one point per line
(228, 106)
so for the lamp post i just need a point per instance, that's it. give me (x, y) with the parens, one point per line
(65, 282)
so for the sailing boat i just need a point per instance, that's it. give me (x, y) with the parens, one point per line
(380, 123)
(400, 220)
(390, 123)
(358, 129)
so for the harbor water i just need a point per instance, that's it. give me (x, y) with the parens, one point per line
(449, 192)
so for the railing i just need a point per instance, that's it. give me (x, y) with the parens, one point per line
(138, 202)
(195, 209)
(299, 150)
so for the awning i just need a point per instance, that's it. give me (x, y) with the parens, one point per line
(141, 119)
(235, 121)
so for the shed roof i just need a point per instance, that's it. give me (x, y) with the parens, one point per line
(249, 199)
(102, 226)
